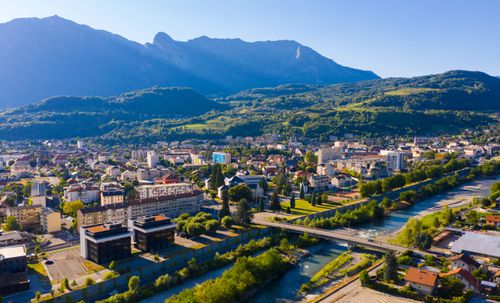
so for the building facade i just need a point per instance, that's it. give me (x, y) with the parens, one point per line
(152, 233)
(104, 243)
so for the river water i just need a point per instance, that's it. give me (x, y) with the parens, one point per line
(284, 289)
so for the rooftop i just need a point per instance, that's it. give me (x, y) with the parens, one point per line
(476, 243)
(12, 252)
(420, 276)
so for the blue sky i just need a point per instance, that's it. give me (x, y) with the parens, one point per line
(390, 37)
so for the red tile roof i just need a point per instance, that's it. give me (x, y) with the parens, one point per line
(421, 276)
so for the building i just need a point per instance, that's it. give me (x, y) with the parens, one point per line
(13, 269)
(104, 243)
(319, 182)
(27, 216)
(152, 233)
(171, 206)
(421, 280)
(327, 154)
(111, 193)
(493, 220)
(113, 171)
(38, 188)
(395, 160)
(80, 144)
(465, 277)
(139, 155)
(152, 158)
(159, 190)
(477, 244)
(50, 220)
(85, 192)
(463, 261)
(326, 169)
(16, 237)
(101, 214)
(222, 158)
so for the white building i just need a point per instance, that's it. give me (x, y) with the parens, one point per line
(160, 190)
(395, 160)
(152, 158)
(331, 153)
(87, 193)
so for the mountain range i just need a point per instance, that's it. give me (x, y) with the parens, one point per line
(52, 56)
(428, 105)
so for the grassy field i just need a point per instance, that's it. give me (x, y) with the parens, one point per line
(409, 91)
(302, 207)
(38, 268)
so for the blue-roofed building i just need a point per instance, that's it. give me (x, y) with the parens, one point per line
(222, 158)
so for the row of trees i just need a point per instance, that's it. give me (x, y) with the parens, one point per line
(422, 172)
(369, 212)
(196, 225)
(246, 274)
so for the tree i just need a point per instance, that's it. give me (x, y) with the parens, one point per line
(112, 265)
(292, 201)
(65, 284)
(261, 205)
(239, 192)
(243, 212)
(423, 240)
(386, 203)
(11, 224)
(38, 295)
(227, 222)
(451, 287)
(133, 284)
(225, 205)
(363, 277)
(313, 199)
(263, 184)
(71, 208)
(408, 196)
(212, 225)
(89, 281)
(301, 192)
(391, 267)
(319, 200)
(275, 202)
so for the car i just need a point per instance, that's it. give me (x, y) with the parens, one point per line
(114, 292)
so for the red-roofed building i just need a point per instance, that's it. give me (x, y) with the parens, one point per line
(421, 280)
(465, 277)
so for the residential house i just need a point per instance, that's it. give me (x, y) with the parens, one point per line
(421, 280)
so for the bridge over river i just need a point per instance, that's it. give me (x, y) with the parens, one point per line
(352, 240)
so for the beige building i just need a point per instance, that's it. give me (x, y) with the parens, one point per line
(25, 215)
(102, 214)
(50, 220)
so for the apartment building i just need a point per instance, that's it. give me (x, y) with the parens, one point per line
(101, 214)
(50, 220)
(25, 215)
(13, 269)
(85, 192)
(158, 190)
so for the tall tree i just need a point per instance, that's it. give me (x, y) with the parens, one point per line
(225, 205)
(301, 193)
(292, 201)
(313, 199)
(243, 212)
(275, 202)
(391, 267)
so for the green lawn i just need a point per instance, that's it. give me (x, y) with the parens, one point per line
(302, 207)
(38, 268)
(410, 90)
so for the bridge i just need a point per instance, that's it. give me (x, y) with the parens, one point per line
(351, 240)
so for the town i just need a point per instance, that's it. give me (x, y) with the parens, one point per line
(85, 222)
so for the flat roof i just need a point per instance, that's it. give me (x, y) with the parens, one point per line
(12, 252)
(476, 243)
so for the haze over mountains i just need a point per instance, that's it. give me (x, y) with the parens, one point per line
(53, 56)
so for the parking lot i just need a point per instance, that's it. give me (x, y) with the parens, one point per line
(65, 264)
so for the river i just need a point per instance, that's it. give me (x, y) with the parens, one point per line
(284, 288)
